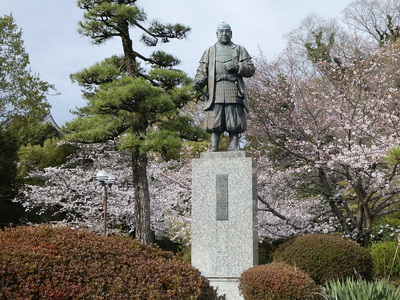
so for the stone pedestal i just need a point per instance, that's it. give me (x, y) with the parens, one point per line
(224, 218)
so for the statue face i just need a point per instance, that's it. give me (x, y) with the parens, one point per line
(224, 34)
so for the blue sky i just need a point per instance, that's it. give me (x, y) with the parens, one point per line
(57, 50)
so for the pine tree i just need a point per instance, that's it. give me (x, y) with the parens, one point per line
(127, 101)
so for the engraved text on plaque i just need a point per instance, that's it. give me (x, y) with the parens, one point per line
(222, 196)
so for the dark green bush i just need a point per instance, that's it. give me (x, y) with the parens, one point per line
(386, 259)
(326, 257)
(266, 249)
(277, 281)
(61, 263)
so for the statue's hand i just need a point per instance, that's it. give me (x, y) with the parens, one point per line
(231, 67)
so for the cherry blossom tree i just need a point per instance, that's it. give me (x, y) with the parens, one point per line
(69, 194)
(171, 190)
(324, 131)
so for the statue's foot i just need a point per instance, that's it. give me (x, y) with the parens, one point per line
(215, 137)
(234, 142)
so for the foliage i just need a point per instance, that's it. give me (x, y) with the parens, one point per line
(326, 257)
(386, 259)
(52, 153)
(58, 263)
(9, 211)
(277, 281)
(8, 156)
(22, 106)
(145, 116)
(21, 92)
(266, 250)
(39, 134)
(351, 289)
(386, 228)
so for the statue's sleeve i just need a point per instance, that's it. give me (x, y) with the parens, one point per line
(200, 79)
(246, 66)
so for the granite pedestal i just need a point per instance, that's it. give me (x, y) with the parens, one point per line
(224, 218)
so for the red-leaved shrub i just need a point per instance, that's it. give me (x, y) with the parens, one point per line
(277, 281)
(61, 263)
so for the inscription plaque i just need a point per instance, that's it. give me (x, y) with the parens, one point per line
(222, 196)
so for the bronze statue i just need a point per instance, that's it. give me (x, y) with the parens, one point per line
(222, 68)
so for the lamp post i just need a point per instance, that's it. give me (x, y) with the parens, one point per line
(106, 180)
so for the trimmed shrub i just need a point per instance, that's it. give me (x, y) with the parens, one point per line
(326, 257)
(277, 281)
(45, 262)
(351, 289)
(386, 259)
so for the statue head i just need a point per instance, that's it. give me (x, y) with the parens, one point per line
(224, 33)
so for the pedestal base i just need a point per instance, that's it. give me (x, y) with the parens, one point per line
(224, 218)
(227, 286)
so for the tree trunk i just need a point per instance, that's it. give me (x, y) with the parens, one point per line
(142, 198)
(139, 160)
(332, 203)
(368, 225)
(127, 45)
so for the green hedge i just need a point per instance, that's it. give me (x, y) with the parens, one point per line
(326, 257)
(61, 263)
